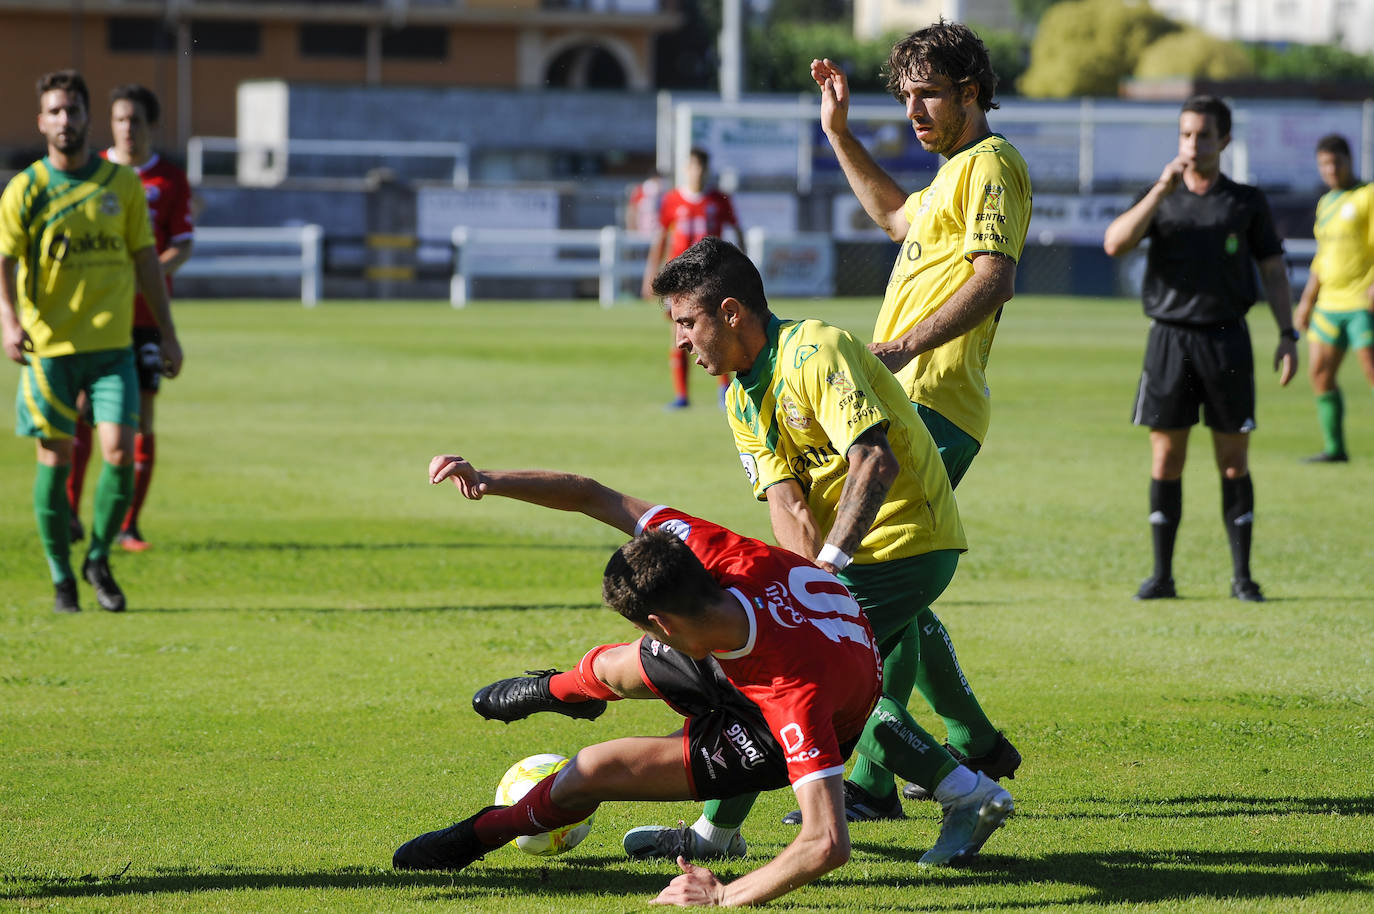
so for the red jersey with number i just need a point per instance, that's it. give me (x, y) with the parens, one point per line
(809, 663)
(691, 217)
(169, 208)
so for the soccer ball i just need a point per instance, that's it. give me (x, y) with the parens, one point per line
(517, 782)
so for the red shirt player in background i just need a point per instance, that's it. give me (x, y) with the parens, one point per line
(688, 213)
(134, 112)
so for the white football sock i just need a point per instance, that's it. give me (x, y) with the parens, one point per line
(955, 784)
(713, 836)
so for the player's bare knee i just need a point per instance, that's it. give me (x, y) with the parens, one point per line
(617, 669)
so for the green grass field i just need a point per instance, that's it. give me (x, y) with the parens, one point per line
(287, 699)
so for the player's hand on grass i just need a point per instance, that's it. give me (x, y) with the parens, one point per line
(695, 887)
(17, 342)
(463, 474)
(172, 356)
(834, 86)
(1286, 361)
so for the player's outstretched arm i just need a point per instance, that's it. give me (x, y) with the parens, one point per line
(560, 491)
(821, 846)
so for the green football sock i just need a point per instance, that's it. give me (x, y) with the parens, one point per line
(729, 813)
(1331, 416)
(895, 741)
(113, 492)
(53, 511)
(899, 678)
(942, 683)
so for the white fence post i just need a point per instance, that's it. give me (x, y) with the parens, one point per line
(610, 261)
(458, 285)
(312, 264)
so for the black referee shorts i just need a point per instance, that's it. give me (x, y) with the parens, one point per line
(729, 748)
(1187, 367)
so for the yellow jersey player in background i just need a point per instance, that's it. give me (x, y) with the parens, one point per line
(853, 481)
(75, 238)
(1337, 304)
(961, 239)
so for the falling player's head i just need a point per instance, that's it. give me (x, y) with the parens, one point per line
(654, 574)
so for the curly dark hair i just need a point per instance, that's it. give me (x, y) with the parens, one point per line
(948, 49)
(713, 270)
(656, 572)
(70, 80)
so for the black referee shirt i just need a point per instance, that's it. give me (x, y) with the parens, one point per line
(1203, 250)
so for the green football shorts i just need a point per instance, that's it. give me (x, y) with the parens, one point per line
(1343, 329)
(957, 447)
(46, 403)
(893, 592)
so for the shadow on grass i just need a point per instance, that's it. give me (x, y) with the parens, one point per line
(1209, 806)
(293, 546)
(446, 608)
(1121, 877)
(1149, 877)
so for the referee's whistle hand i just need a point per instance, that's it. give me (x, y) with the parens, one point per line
(1286, 361)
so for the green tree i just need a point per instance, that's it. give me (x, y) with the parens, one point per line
(1308, 62)
(1192, 53)
(1086, 47)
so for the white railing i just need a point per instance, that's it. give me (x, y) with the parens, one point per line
(605, 254)
(261, 252)
(267, 163)
(792, 263)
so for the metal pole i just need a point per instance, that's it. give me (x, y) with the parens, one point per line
(312, 264)
(731, 48)
(458, 285)
(610, 255)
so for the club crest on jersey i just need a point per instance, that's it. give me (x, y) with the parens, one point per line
(795, 417)
(992, 198)
(840, 382)
(109, 204)
(679, 528)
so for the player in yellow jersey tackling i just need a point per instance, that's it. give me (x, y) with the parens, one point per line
(1337, 305)
(75, 238)
(852, 479)
(961, 239)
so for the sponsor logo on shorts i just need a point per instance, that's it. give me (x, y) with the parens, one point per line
(750, 755)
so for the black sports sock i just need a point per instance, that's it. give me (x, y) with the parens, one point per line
(1238, 510)
(1166, 510)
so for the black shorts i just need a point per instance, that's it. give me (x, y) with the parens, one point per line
(728, 747)
(148, 357)
(1187, 367)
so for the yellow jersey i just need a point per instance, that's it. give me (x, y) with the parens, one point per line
(811, 392)
(74, 235)
(979, 202)
(1345, 248)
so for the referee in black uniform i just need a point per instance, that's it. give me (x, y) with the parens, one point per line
(1206, 234)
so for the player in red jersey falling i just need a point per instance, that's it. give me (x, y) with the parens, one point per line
(769, 659)
(134, 112)
(686, 215)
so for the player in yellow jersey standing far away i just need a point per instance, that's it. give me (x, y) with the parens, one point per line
(852, 480)
(961, 239)
(1337, 304)
(75, 239)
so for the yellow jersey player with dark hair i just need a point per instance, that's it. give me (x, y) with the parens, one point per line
(1337, 304)
(75, 240)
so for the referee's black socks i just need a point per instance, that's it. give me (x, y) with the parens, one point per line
(1166, 510)
(1238, 510)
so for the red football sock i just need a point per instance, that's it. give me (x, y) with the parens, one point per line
(81, 455)
(677, 360)
(580, 683)
(145, 452)
(534, 814)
